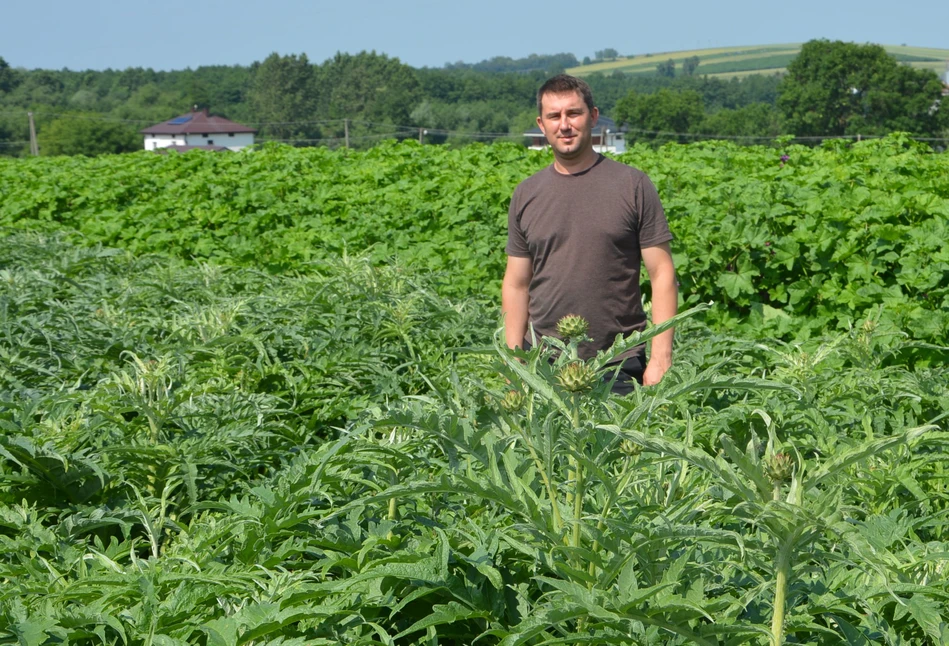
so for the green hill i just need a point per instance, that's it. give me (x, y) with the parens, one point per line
(751, 59)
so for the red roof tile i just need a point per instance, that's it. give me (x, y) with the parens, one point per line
(194, 123)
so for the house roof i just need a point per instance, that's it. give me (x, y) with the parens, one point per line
(197, 122)
(602, 122)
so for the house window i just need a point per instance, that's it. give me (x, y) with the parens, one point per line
(210, 142)
(204, 134)
(230, 134)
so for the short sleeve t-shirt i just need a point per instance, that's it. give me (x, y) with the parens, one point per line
(583, 234)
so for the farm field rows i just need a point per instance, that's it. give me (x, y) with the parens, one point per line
(260, 399)
(729, 61)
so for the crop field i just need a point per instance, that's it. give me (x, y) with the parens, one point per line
(730, 61)
(261, 399)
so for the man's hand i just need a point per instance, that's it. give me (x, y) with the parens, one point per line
(655, 370)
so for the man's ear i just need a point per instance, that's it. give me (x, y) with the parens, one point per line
(595, 113)
(540, 124)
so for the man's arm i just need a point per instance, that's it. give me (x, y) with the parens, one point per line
(665, 304)
(514, 299)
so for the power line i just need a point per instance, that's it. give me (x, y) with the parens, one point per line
(406, 129)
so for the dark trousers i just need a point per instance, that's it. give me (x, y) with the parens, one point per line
(630, 372)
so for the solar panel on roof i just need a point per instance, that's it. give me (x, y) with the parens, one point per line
(177, 121)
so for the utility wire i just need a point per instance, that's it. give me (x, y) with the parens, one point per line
(406, 129)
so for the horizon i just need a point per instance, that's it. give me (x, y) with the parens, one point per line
(579, 58)
(110, 34)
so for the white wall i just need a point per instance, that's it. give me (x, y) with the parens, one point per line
(163, 141)
(234, 141)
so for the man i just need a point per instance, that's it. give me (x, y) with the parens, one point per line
(577, 233)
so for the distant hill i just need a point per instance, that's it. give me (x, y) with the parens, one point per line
(752, 59)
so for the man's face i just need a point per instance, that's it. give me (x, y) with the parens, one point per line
(567, 123)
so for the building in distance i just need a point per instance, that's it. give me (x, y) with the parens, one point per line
(198, 129)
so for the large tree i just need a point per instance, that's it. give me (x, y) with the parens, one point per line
(375, 92)
(283, 96)
(9, 77)
(87, 134)
(837, 88)
(666, 114)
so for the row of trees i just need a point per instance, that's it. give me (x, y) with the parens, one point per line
(290, 98)
(831, 88)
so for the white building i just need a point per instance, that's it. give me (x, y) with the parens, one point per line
(607, 138)
(198, 129)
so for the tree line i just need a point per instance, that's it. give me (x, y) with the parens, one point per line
(830, 89)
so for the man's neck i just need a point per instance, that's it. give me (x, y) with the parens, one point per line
(576, 165)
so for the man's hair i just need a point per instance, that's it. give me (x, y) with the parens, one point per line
(564, 84)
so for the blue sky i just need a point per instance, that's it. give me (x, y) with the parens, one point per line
(174, 34)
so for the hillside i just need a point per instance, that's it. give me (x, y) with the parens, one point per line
(750, 59)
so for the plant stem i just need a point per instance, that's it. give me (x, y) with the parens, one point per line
(780, 593)
(393, 503)
(577, 502)
(551, 494)
(782, 568)
(577, 477)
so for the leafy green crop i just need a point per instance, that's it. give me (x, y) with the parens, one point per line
(192, 453)
(793, 241)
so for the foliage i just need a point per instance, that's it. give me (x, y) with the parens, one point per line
(690, 65)
(366, 87)
(754, 120)
(196, 454)
(793, 241)
(9, 77)
(606, 54)
(666, 68)
(283, 95)
(550, 64)
(662, 115)
(86, 134)
(837, 88)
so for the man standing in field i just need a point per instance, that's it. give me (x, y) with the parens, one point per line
(577, 233)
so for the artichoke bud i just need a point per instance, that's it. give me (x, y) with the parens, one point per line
(576, 377)
(779, 467)
(630, 448)
(513, 401)
(572, 326)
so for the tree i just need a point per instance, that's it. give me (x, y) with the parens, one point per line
(9, 77)
(689, 65)
(607, 53)
(669, 112)
(283, 96)
(837, 88)
(755, 120)
(370, 88)
(667, 69)
(87, 134)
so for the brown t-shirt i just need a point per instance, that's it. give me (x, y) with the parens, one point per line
(583, 234)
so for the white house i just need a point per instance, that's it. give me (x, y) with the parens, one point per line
(198, 129)
(607, 138)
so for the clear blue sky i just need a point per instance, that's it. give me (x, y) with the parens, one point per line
(175, 34)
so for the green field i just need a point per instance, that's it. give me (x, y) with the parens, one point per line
(756, 59)
(261, 399)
